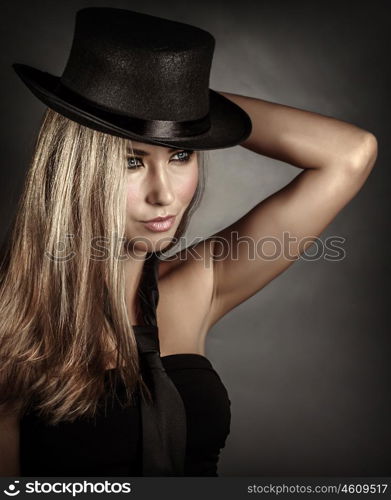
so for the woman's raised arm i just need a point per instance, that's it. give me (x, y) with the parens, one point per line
(337, 158)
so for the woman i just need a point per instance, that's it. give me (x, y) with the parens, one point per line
(84, 266)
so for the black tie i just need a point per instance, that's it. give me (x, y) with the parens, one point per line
(164, 421)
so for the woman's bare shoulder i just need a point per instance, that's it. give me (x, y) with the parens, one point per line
(186, 291)
(194, 257)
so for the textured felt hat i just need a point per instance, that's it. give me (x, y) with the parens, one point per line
(141, 77)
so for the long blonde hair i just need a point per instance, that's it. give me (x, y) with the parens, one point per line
(60, 308)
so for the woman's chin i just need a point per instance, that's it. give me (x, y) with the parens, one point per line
(157, 242)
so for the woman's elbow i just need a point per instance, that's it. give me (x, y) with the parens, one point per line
(363, 159)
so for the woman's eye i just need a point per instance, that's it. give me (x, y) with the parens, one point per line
(183, 157)
(131, 162)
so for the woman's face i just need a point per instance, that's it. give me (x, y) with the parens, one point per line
(161, 182)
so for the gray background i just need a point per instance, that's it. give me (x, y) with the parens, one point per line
(305, 361)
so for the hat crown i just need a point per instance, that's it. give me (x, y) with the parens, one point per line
(140, 65)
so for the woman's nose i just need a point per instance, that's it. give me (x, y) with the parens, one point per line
(160, 189)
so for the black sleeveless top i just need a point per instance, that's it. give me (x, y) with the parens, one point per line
(110, 444)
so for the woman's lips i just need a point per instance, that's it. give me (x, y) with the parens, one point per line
(160, 226)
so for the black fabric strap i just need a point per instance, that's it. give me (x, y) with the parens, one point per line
(164, 421)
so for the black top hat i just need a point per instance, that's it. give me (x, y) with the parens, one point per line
(141, 77)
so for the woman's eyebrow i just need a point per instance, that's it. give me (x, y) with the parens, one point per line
(141, 152)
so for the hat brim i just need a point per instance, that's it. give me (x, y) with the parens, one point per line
(230, 124)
